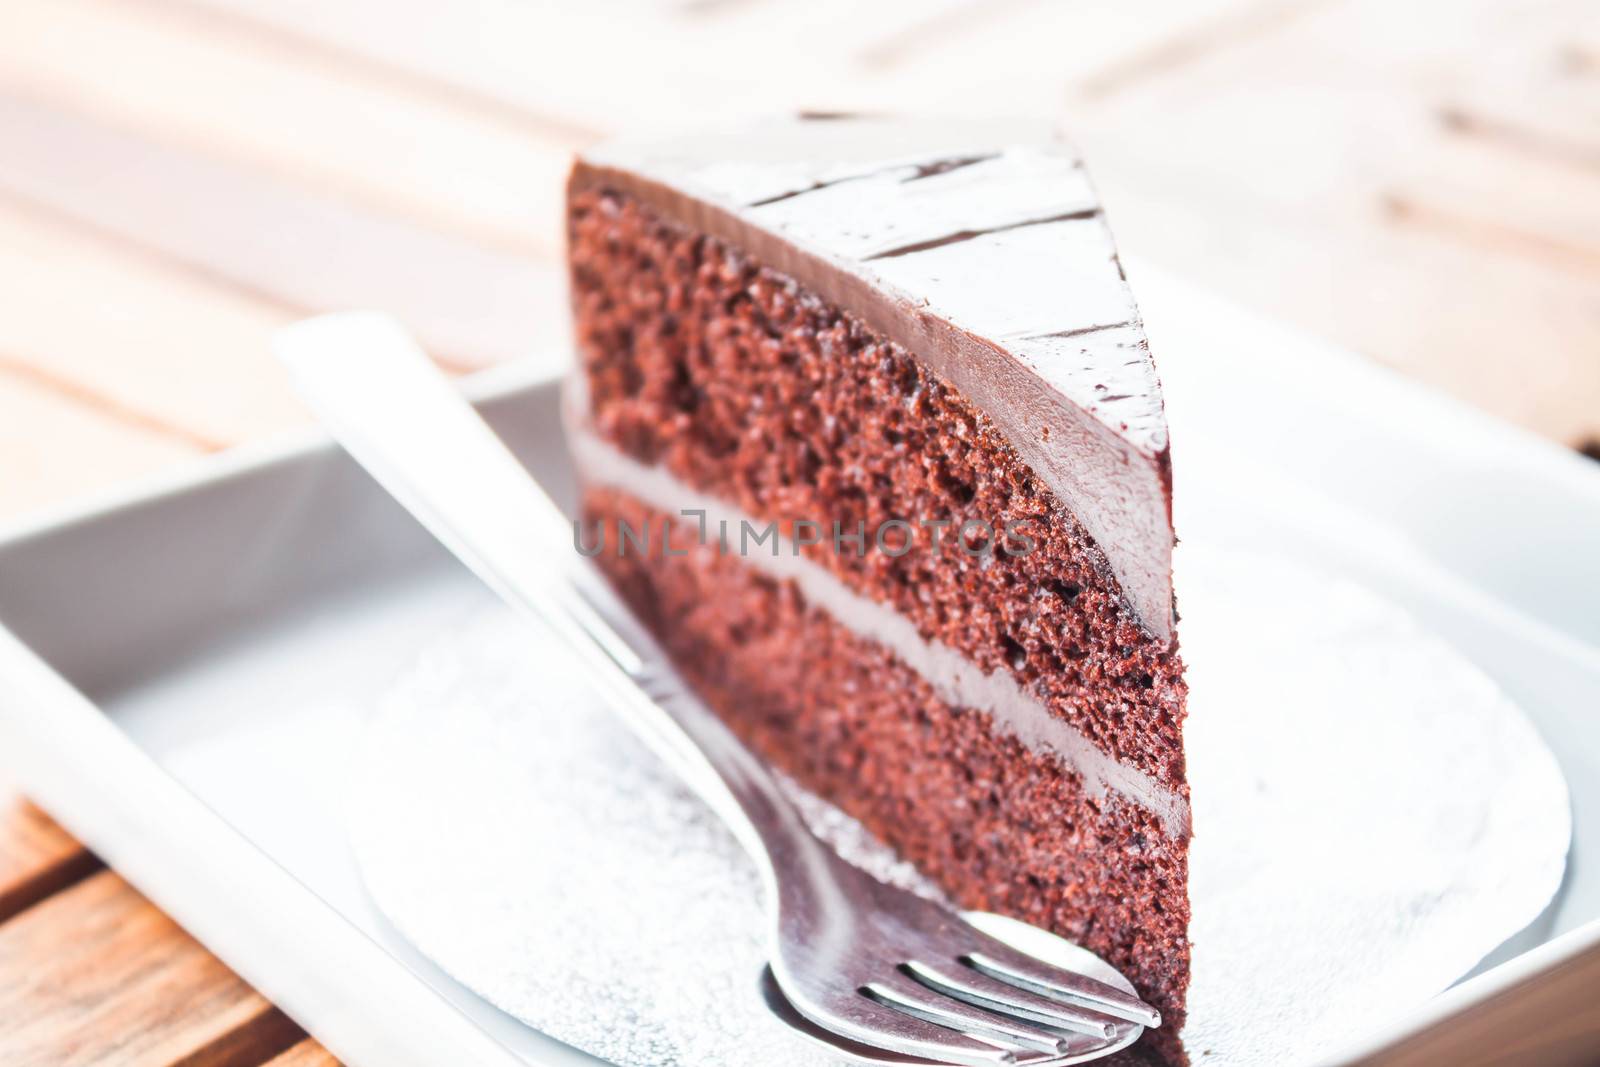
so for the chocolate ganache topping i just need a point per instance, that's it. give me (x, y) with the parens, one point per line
(981, 248)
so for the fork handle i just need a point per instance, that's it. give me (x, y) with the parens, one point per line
(402, 420)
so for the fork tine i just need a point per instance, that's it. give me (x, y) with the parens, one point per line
(977, 988)
(1006, 964)
(900, 991)
(886, 1025)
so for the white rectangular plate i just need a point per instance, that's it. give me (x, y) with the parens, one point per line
(185, 653)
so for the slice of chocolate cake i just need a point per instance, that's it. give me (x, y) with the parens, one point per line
(869, 435)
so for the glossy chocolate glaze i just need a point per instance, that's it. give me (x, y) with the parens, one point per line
(980, 248)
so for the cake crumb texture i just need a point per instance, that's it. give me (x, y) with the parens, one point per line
(745, 386)
(999, 827)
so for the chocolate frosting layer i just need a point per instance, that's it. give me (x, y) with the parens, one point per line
(980, 248)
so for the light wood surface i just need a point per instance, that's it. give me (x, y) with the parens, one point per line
(37, 858)
(306, 1053)
(1548, 1021)
(110, 980)
(1418, 181)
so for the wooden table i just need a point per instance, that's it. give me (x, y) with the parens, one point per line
(1418, 181)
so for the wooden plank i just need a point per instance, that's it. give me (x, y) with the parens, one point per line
(1549, 1020)
(305, 252)
(101, 320)
(37, 857)
(1509, 334)
(1271, 171)
(1508, 202)
(570, 64)
(1180, 45)
(1270, 148)
(1541, 125)
(566, 70)
(586, 67)
(492, 56)
(1532, 89)
(306, 1054)
(200, 84)
(53, 446)
(1043, 58)
(96, 975)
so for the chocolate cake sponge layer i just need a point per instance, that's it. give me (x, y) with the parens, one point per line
(998, 826)
(747, 387)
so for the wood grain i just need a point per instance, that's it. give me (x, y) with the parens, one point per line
(1297, 155)
(55, 446)
(1539, 209)
(179, 177)
(106, 323)
(301, 251)
(1056, 58)
(306, 1054)
(37, 857)
(111, 981)
(1321, 187)
(1547, 1021)
(564, 66)
(189, 82)
(1536, 97)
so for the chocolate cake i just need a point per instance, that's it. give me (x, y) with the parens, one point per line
(869, 435)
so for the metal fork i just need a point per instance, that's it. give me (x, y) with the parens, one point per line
(860, 959)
